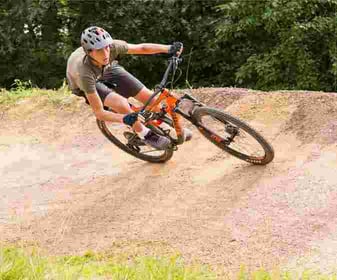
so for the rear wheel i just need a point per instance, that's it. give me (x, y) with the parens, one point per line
(129, 142)
(233, 136)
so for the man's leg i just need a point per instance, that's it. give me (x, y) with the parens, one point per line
(120, 104)
(129, 86)
(143, 96)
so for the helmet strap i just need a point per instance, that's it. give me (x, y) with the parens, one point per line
(91, 58)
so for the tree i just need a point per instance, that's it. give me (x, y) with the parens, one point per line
(264, 44)
(31, 43)
(282, 44)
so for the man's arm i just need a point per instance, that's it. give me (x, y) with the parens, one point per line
(101, 114)
(147, 48)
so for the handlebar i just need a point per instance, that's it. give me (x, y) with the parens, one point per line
(172, 66)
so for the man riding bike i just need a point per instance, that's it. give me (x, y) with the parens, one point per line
(93, 66)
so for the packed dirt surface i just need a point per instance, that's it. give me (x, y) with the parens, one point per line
(66, 187)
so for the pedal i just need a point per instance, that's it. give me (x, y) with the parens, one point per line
(133, 139)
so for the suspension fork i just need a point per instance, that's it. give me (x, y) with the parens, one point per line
(176, 118)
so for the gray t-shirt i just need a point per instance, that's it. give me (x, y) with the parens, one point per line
(82, 73)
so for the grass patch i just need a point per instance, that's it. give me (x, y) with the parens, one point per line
(26, 263)
(23, 90)
(16, 263)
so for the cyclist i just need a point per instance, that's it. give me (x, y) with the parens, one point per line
(93, 65)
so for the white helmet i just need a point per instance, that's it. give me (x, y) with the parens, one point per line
(95, 38)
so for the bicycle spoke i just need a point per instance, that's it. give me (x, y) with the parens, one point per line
(247, 144)
(126, 136)
(242, 142)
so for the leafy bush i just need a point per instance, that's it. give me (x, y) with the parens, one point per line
(282, 44)
(262, 44)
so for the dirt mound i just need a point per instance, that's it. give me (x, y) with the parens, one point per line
(66, 187)
(315, 118)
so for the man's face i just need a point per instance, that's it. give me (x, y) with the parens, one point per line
(102, 56)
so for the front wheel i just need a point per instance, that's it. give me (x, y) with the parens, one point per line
(130, 143)
(233, 136)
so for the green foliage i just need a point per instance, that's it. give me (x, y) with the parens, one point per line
(15, 264)
(18, 264)
(262, 44)
(20, 89)
(30, 48)
(24, 263)
(21, 86)
(23, 89)
(282, 44)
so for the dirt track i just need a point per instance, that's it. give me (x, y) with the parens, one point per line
(64, 185)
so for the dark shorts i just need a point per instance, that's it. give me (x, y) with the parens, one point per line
(117, 79)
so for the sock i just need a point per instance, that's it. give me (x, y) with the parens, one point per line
(165, 126)
(143, 133)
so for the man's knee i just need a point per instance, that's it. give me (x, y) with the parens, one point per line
(144, 94)
(117, 102)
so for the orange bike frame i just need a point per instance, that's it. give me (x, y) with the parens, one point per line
(171, 102)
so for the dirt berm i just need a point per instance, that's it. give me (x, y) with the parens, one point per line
(65, 186)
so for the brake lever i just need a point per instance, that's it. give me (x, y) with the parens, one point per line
(176, 61)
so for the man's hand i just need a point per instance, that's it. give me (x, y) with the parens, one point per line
(176, 49)
(130, 119)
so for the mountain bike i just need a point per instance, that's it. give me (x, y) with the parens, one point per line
(227, 132)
